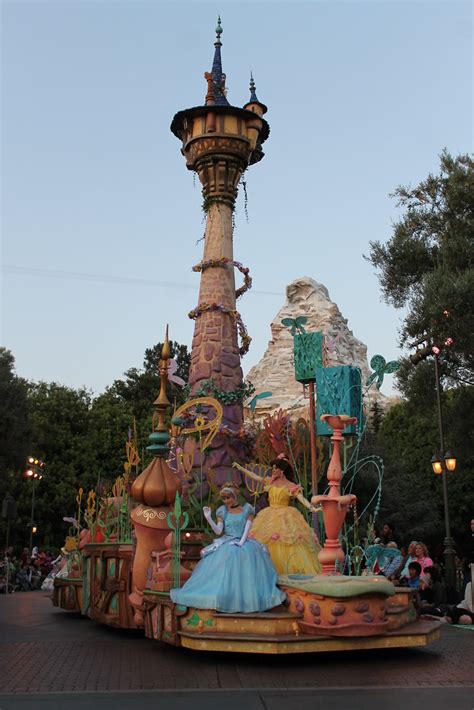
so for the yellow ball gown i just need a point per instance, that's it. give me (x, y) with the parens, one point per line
(288, 537)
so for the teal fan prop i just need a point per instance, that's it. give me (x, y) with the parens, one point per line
(379, 553)
(381, 367)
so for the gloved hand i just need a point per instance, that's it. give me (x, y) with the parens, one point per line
(243, 539)
(215, 527)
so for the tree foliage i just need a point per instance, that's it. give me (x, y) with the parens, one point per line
(141, 386)
(427, 267)
(412, 493)
(14, 424)
(81, 439)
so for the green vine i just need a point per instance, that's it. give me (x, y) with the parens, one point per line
(209, 388)
(243, 182)
(208, 201)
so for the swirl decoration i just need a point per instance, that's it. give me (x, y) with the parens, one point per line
(223, 262)
(204, 307)
(198, 416)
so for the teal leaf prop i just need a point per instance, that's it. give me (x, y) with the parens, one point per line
(381, 367)
(262, 395)
(295, 324)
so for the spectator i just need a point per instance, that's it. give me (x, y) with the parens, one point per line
(439, 590)
(410, 558)
(414, 572)
(461, 613)
(468, 555)
(388, 534)
(392, 563)
(422, 556)
(426, 588)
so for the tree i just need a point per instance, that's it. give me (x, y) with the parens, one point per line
(60, 425)
(412, 494)
(141, 387)
(109, 421)
(14, 425)
(376, 417)
(427, 266)
(80, 439)
(15, 433)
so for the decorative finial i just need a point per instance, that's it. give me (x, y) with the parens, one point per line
(219, 29)
(165, 350)
(162, 402)
(253, 95)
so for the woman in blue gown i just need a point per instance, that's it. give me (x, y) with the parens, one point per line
(235, 574)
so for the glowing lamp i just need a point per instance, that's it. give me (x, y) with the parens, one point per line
(436, 465)
(450, 461)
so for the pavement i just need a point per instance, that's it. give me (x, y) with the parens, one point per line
(52, 659)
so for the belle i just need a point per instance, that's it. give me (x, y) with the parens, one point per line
(292, 544)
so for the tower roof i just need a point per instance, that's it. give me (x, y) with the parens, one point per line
(216, 94)
(253, 96)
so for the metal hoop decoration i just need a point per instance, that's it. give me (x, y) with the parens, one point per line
(222, 262)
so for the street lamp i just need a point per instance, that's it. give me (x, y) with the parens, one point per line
(440, 465)
(448, 462)
(34, 471)
(449, 551)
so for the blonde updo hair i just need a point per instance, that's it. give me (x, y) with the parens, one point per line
(231, 489)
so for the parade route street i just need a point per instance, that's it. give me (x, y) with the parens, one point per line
(53, 659)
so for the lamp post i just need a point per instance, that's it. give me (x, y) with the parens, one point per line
(442, 466)
(34, 471)
(446, 461)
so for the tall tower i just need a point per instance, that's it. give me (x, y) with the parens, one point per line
(219, 142)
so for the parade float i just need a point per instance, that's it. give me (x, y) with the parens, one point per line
(134, 549)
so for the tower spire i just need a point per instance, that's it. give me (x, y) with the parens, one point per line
(253, 104)
(253, 95)
(216, 94)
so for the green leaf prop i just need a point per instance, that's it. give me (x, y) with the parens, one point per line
(381, 367)
(295, 324)
(262, 395)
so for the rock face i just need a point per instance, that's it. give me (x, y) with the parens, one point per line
(275, 371)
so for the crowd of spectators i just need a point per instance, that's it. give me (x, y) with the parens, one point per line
(26, 571)
(413, 567)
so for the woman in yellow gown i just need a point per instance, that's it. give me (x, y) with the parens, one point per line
(292, 544)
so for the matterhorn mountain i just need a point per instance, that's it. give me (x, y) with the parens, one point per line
(275, 371)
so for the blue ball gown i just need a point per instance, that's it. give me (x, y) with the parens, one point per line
(232, 578)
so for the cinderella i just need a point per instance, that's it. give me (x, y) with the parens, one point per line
(235, 574)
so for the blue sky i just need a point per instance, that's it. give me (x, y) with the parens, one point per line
(100, 218)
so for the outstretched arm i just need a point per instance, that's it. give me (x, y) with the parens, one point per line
(216, 527)
(300, 497)
(248, 473)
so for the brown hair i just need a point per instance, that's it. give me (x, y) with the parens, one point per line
(284, 465)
